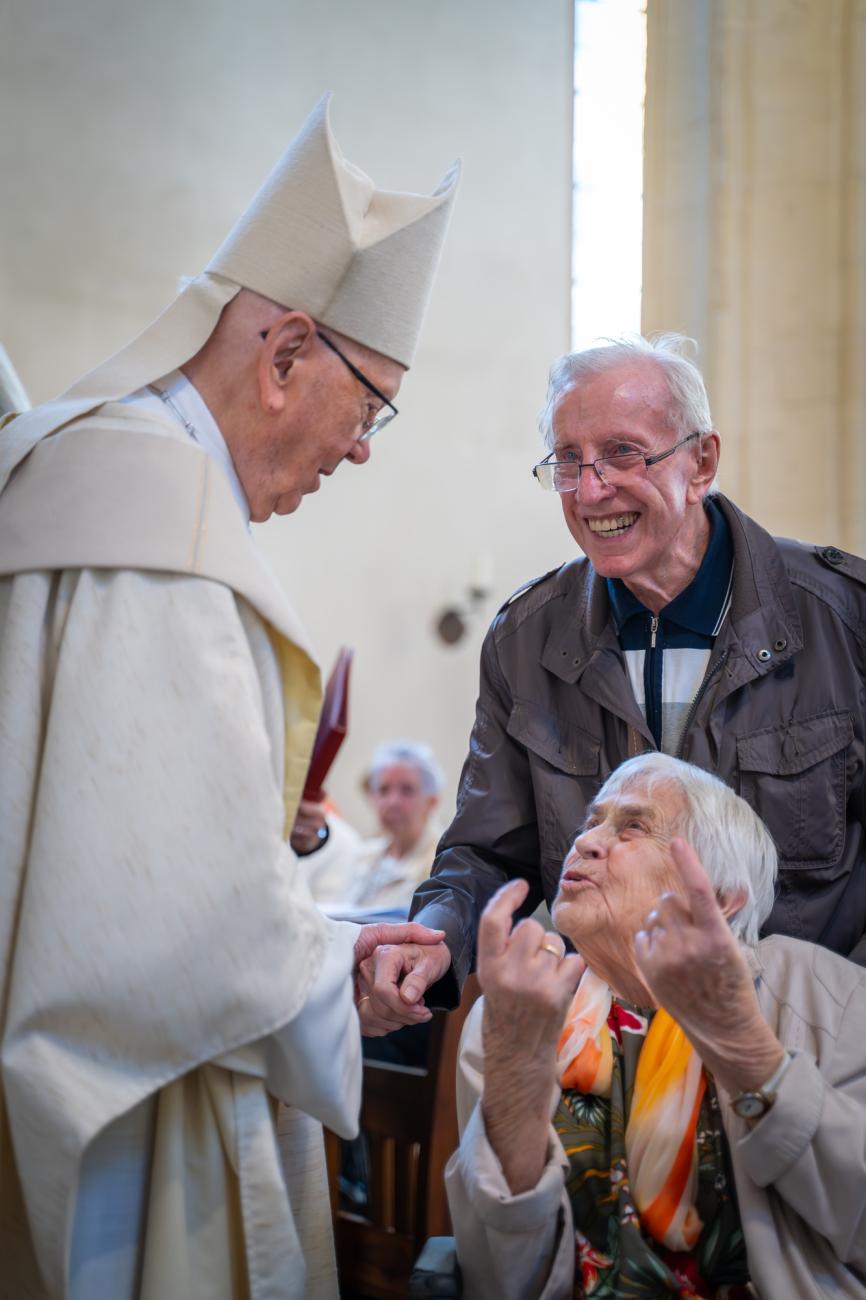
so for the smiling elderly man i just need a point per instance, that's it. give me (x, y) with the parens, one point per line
(686, 628)
(167, 977)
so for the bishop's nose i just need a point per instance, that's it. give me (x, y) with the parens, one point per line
(360, 453)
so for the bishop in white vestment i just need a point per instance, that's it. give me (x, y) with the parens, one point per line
(167, 981)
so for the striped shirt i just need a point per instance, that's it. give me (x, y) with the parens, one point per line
(667, 654)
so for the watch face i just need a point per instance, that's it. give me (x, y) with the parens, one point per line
(750, 1105)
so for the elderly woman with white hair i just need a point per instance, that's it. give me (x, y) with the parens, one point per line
(680, 1109)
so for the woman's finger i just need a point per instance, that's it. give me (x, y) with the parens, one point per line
(494, 928)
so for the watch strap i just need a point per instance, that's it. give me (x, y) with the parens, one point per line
(755, 1102)
(769, 1088)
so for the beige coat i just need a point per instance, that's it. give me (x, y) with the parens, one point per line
(800, 1172)
(160, 951)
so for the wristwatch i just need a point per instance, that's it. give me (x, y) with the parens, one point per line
(752, 1105)
(322, 837)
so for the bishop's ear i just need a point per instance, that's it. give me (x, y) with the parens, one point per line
(288, 341)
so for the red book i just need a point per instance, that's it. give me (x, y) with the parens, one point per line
(333, 725)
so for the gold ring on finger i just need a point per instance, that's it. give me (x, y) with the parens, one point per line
(365, 998)
(554, 949)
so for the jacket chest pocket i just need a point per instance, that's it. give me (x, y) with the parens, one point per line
(564, 762)
(794, 778)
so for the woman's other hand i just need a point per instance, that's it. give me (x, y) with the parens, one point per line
(695, 969)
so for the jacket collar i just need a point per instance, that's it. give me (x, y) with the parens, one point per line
(702, 605)
(764, 630)
(585, 627)
(582, 646)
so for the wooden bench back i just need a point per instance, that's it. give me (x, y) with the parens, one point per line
(409, 1116)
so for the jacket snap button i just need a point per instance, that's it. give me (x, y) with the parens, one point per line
(780, 644)
(563, 653)
(832, 556)
(575, 662)
(764, 655)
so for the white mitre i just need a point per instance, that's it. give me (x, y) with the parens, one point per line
(318, 237)
(13, 396)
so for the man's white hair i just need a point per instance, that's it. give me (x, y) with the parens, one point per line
(689, 404)
(730, 839)
(416, 755)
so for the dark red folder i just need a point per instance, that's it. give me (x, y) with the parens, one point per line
(333, 725)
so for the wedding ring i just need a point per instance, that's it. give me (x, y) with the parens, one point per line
(553, 949)
(365, 998)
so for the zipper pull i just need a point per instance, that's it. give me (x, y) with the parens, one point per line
(654, 627)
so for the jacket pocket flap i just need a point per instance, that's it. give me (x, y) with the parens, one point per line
(796, 746)
(561, 744)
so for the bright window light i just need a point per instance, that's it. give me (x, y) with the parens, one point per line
(609, 85)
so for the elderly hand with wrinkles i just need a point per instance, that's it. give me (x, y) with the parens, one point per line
(394, 964)
(694, 967)
(528, 984)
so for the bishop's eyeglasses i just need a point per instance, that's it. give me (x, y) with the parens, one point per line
(388, 409)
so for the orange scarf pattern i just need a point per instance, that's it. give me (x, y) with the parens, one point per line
(660, 1136)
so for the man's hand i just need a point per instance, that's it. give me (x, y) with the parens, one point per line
(310, 821)
(528, 984)
(694, 968)
(395, 974)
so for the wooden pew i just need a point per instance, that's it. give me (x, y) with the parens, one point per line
(410, 1118)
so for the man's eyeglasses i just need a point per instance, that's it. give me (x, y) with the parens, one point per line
(564, 475)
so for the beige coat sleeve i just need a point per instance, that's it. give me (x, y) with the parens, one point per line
(314, 1063)
(509, 1247)
(810, 1148)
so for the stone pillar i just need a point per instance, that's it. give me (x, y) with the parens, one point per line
(755, 242)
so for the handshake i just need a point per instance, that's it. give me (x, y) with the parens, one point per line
(394, 967)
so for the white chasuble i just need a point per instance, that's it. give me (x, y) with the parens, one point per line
(166, 976)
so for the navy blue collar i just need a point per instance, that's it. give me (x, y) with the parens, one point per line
(699, 606)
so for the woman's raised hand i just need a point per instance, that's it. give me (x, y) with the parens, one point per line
(695, 969)
(528, 984)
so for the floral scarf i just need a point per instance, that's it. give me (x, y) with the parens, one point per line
(650, 1188)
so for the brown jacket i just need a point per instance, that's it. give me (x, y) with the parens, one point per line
(781, 716)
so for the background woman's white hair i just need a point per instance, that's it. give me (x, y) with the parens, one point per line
(417, 755)
(730, 839)
(689, 404)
